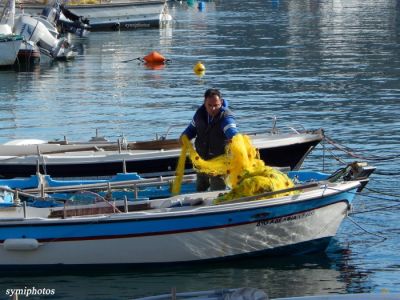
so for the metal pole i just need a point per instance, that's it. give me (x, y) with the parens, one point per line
(126, 204)
(124, 166)
(24, 207)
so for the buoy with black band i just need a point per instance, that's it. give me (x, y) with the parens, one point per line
(199, 69)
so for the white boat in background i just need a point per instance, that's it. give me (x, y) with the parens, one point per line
(249, 293)
(112, 14)
(9, 42)
(99, 157)
(188, 228)
(23, 36)
(42, 36)
(361, 296)
(9, 47)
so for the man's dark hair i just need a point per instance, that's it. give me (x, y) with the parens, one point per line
(212, 92)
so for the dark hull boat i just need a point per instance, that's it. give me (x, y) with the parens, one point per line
(148, 159)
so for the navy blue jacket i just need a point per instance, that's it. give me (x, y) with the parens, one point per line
(212, 134)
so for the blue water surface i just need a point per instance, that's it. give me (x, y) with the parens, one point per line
(312, 63)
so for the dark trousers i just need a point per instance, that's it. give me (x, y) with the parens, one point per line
(204, 181)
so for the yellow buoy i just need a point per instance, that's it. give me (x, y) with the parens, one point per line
(199, 69)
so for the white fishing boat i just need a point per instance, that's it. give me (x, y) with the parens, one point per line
(188, 228)
(9, 42)
(22, 158)
(21, 197)
(112, 14)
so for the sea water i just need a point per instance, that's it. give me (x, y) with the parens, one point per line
(308, 64)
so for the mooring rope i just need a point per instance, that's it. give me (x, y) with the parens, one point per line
(366, 211)
(365, 230)
(375, 209)
(336, 157)
(373, 197)
(352, 153)
(383, 193)
(386, 173)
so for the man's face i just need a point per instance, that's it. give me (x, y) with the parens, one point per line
(213, 105)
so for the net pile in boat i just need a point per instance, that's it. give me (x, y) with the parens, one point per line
(246, 174)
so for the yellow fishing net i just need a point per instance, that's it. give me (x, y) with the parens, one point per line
(246, 174)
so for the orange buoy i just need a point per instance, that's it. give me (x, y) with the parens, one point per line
(155, 66)
(154, 58)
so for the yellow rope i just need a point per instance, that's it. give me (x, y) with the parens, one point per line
(180, 169)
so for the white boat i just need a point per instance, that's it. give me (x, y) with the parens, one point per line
(9, 47)
(361, 296)
(23, 36)
(21, 197)
(22, 158)
(41, 35)
(113, 15)
(188, 228)
(9, 42)
(249, 293)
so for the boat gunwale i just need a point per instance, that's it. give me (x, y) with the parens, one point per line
(257, 142)
(319, 192)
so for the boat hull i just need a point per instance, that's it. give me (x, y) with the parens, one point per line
(9, 48)
(118, 15)
(121, 16)
(299, 224)
(287, 152)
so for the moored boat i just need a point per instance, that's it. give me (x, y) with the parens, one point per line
(113, 15)
(196, 230)
(150, 158)
(9, 42)
(9, 47)
(124, 192)
(41, 36)
(249, 293)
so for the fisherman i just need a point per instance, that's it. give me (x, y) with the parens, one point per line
(213, 126)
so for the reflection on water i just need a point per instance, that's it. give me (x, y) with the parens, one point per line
(279, 277)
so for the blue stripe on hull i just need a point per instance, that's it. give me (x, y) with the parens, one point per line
(106, 228)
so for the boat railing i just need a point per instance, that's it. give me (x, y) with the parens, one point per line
(135, 184)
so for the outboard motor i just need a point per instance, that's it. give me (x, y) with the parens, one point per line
(70, 22)
(66, 21)
(34, 30)
(51, 13)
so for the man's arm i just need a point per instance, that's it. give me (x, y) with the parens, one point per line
(191, 130)
(228, 125)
